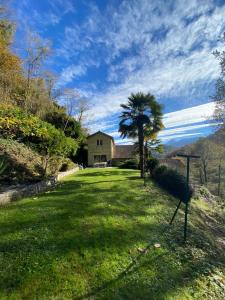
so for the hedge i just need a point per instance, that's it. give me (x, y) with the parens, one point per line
(173, 182)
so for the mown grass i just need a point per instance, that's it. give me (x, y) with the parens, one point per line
(84, 240)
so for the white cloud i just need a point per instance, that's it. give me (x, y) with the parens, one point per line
(190, 115)
(182, 136)
(171, 132)
(171, 66)
(70, 73)
(178, 124)
(162, 47)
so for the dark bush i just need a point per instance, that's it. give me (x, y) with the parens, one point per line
(173, 182)
(116, 163)
(151, 164)
(67, 165)
(129, 164)
(159, 171)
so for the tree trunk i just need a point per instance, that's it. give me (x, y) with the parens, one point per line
(146, 153)
(200, 175)
(219, 180)
(141, 150)
(205, 172)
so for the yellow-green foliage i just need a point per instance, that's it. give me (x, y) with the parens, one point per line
(17, 124)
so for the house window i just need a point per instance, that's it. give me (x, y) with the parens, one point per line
(99, 142)
(100, 158)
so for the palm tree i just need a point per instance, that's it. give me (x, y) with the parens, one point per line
(142, 119)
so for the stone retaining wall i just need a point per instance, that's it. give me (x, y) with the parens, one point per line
(33, 189)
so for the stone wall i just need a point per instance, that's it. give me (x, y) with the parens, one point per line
(33, 189)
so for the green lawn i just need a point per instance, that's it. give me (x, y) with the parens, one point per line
(84, 240)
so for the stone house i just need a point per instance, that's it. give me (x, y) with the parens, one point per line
(102, 148)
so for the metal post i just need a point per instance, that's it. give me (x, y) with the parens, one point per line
(188, 157)
(174, 215)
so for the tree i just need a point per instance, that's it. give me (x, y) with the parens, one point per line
(205, 148)
(142, 119)
(11, 73)
(32, 131)
(36, 53)
(76, 106)
(219, 97)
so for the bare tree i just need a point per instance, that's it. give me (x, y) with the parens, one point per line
(54, 93)
(36, 52)
(205, 149)
(219, 96)
(76, 105)
(83, 107)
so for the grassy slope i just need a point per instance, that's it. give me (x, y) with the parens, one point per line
(81, 241)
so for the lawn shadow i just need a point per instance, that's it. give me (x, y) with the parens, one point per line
(89, 224)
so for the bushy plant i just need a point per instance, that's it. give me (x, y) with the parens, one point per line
(23, 163)
(67, 165)
(3, 165)
(159, 171)
(173, 182)
(151, 164)
(116, 163)
(41, 136)
(129, 164)
(19, 125)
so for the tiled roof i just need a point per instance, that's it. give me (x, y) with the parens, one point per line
(124, 151)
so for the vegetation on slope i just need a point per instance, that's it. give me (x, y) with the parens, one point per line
(29, 112)
(209, 170)
(93, 237)
(25, 165)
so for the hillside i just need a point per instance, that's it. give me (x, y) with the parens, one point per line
(25, 165)
(95, 237)
(209, 170)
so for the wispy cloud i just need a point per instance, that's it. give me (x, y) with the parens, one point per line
(68, 74)
(190, 115)
(178, 124)
(109, 51)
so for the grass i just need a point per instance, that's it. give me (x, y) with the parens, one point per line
(93, 238)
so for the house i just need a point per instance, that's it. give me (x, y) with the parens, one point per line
(102, 148)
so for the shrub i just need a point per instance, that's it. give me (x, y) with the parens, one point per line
(23, 163)
(3, 165)
(151, 164)
(67, 165)
(29, 129)
(116, 163)
(129, 164)
(159, 171)
(173, 182)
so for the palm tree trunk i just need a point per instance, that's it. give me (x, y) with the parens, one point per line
(141, 150)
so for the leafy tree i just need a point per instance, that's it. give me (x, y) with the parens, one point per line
(40, 135)
(11, 72)
(151, 164)
(59, 119)
(142, 119)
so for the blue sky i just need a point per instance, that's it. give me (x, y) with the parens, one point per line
(108, 49)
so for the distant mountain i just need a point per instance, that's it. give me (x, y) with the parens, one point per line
(182, 142)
